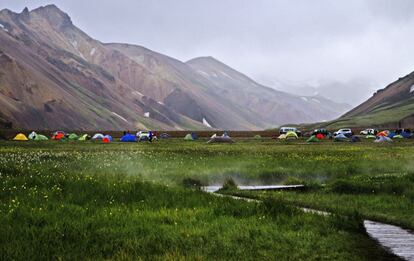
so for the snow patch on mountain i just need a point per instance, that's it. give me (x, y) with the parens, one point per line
(203, 73)
(146, 114)
(304, 99)
(119, 116)
(316, 100)
(4, 28)
(205, 122)
(92, 51)
(412, 88)
(137, 93)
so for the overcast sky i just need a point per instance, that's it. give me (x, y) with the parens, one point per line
(300, 42)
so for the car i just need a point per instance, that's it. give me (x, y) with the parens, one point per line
(284, 130)
(346, 132)
(369, 132)
(144, 135)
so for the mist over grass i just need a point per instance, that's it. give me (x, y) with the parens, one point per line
(74, 200)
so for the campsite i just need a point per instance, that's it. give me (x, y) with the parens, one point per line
(120, 197)
(207, 130)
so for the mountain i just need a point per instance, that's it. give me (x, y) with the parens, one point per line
(272, 106)
(53, 75)
(391, 107)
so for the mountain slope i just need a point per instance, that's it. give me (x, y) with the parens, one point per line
(391, 107)
(272, 106)
(53, 75)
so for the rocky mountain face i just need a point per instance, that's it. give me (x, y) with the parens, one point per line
(53, 75)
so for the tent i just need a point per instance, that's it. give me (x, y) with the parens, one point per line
(406, 134)
(282, 137)
(107, 139)
(355, 139)
(40, 137)
(313, 138)
(381, 139)
(370, 137)
(98, 136)
(194, 135)
(188, 137)
(73, 136)
(340, 137)
(32, 135)
(213, 136)
(291, 135)
(257, 137)
(58, 135)
(320, 136)
(391, 134)
(398, 137)
(383, 133)
(220, 139)
(128, 138)
(21, 137)
(84, 137)
(165, 136)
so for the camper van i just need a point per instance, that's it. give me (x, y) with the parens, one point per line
(285, 130)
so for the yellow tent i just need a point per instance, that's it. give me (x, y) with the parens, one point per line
(291, 135)
(21, 137)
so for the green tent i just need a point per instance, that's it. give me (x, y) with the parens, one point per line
(73, 136)
(398, 137)
(313, 139)
(370, 137)
(188, 137)
(257, 137)
(40, 137)
(84, 137)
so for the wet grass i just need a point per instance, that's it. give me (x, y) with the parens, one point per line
(68, 200)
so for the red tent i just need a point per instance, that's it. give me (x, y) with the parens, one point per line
(58, 136)
(320, 136)
(106, 140)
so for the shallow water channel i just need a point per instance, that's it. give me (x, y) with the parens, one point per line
(397, 240)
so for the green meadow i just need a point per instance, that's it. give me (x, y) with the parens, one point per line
(140, 201)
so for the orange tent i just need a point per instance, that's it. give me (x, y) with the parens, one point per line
(383, 134)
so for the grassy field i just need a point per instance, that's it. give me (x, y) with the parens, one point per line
(72, 200)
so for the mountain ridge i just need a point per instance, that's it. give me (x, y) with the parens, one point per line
(83, 83)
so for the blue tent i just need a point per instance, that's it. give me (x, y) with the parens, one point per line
(392, 134)
(128, 138)
(194, 135)
(406, 134)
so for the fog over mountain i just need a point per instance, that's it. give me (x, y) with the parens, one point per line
(312, 44)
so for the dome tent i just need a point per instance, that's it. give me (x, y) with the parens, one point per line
(84, 137)
(320, 136)
(355, 139)
(40, 137)
(188, 137)
(257, 137)
(73, 136)
(32, 135)
(98, 136)
(381, 139)
(290, 135)
(128, 138)
(20, 137)
(399, 136)
(340, 137)
(107, 139)
(282, 137)
(313, 138)
(370, 137)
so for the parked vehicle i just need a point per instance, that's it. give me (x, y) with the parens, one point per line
(145, 135)
(345, 132)
(285, 130)
(369, 132)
